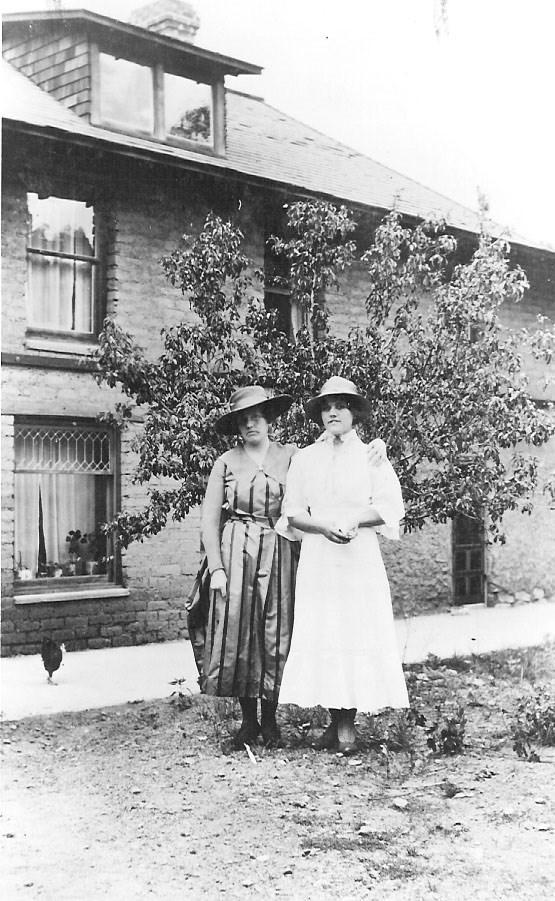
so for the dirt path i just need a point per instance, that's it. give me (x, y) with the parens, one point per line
(145, 801)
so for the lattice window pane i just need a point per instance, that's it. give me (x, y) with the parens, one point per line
(65, 449)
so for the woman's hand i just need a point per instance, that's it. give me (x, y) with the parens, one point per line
(218, 581)
(334, 533)
(348, 527)
(376, 452)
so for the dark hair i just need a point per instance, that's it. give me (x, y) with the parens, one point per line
(348, 403)
(263, 412)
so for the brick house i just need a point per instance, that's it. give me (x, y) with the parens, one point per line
(117, 139)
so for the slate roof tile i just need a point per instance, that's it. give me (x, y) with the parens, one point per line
(264, 143)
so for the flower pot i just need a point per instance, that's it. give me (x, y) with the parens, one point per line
(90, 567)
(23, 574)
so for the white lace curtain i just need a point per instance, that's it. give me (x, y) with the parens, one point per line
(68, 503)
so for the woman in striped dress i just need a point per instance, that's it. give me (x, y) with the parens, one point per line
(252, 569)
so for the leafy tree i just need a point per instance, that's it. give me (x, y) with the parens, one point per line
(446, 384)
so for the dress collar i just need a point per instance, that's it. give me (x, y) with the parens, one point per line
(347, 438)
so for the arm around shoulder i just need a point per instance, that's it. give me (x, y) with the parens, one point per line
(388, 500)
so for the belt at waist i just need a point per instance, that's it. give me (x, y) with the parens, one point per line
(267, 522)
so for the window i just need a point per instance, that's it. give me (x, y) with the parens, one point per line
(290, 317)
(187, 109)
(62, 264)
(126, 94)
(64, 491)
(153, 102)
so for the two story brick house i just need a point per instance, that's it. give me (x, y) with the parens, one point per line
(117, 139)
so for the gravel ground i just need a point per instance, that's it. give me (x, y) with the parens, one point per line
(147, 800)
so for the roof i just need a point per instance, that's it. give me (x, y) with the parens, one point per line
(126, 34)
(263, 144)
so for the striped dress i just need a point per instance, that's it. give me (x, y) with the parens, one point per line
(249, 631)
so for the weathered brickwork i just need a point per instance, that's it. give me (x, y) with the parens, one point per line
(144, 214)
(527, 560)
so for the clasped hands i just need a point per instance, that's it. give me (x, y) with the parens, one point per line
(341, 532)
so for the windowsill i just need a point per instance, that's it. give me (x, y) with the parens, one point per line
(50, 597)
(167, 140)
(58, 345)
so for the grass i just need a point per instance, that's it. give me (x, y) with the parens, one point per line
(458, 705)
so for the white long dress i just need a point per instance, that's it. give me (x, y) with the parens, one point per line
(344, 650)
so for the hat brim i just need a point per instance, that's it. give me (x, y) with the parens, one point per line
(272, 408)
(313, 407)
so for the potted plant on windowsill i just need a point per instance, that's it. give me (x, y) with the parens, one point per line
(93, 555)
(21, 572)
(75, 539)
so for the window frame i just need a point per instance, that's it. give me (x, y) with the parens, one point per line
(215, 148)
(97, 268)
(277, 275)
(46, 588)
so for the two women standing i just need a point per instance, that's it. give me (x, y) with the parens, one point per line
(344, 654)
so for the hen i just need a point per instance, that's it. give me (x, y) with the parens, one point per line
(51, 653)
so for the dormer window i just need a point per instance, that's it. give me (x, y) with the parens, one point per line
(144, 78)
(126, 95)
(154, 103)
(188, 109)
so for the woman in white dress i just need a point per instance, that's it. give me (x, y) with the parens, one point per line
(344, 653)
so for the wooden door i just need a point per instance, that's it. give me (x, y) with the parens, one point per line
(469, 561)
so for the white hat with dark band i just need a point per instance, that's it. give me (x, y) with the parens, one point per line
(337, 385)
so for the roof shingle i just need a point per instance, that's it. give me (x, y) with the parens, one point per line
(262, 143)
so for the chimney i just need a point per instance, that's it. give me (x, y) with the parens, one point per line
(172, 18)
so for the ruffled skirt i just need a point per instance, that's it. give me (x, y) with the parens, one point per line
(344, 649)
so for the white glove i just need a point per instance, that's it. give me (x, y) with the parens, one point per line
(218, 581)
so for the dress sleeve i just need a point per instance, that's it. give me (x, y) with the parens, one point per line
(212, 514)
(387, 499)
(294, 501)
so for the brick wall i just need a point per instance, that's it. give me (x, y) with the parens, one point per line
(149, 212)
(527, 559)
(159, 573)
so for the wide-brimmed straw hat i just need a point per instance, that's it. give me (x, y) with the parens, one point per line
(337, 385)
(252, 396)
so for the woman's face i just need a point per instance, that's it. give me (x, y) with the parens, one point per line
(253, 426)
(336, 416)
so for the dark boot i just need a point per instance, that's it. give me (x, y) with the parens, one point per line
(250, 727)
(271, 736)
